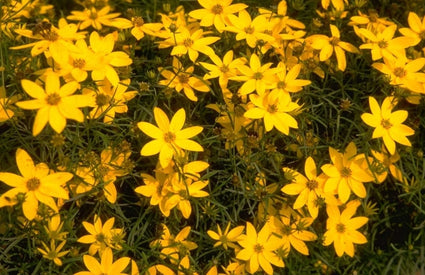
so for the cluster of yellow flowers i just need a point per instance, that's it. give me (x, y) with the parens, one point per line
(85, 74)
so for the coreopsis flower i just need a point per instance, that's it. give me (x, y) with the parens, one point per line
(106, 266)
(51, 38)
(169, 137)
(258, 250)
(140, 28)
(183, 189)
(55, 104)
(404, 73)
(329, 45)
(174, 247)
(183, 79)
(287, 81)
(382, 44)
(256, 77)
(215, 13)
(53, 252)
(342, 229)
(290, 233)
(371, 22)
(416, 30)
(309, 188)
(101, 236)
(37, 184)
(110, 100)
(96, 18)
(228, 238)
(223, 69)
(346, 173)
(54, 228)
(274, 109)
(251, 30)
(384, 163)
(76, 62)
(105, 58)
(190, 43)
(387, 124)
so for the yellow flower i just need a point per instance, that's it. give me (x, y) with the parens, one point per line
(53, 252)
(291, 234)
(370, 22)
(54, 228)
(382, 44)
(338, 4)
(101, 236)
(75, 62)
(346, 173)
(308, 188)
(110, 100)
(226, 238)
(36, 183)
(215, 12)
(107, 266)
(160, 269)
(256, 77)
(55, 104)
(175, 247)
(342, 229)
(259, 250)
(105, 58)
(387, 124)
(183, 79)
(26, 8)
(250, 30)
(416, 30)
(287, 81)
(223, 69)
(329, 45)
(169, 137)
(97, 18)
(140, 27)
(274, 109)
(385, 163)
(183, 189)
(404, 73)
(51, 38)
(191, 43)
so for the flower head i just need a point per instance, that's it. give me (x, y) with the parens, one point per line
(106, 266)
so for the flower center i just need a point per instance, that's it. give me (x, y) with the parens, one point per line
(382, 44)
(312, 184)
(138, 21)
(281, 85)
(334, 41)
(217, 9)
(93, 14)
(100, 237)
(53, 99)
(33, 184)
(45, 30)
(340, 228)
(79, 63)
(183, 78)
(258, 248)
(399, 72)
(345, 172)
(272, 108)
(249, 30)
(102, 99)
(386, 123)
(188, 42)
(224, 69)
(169, 137)
(257, 76)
